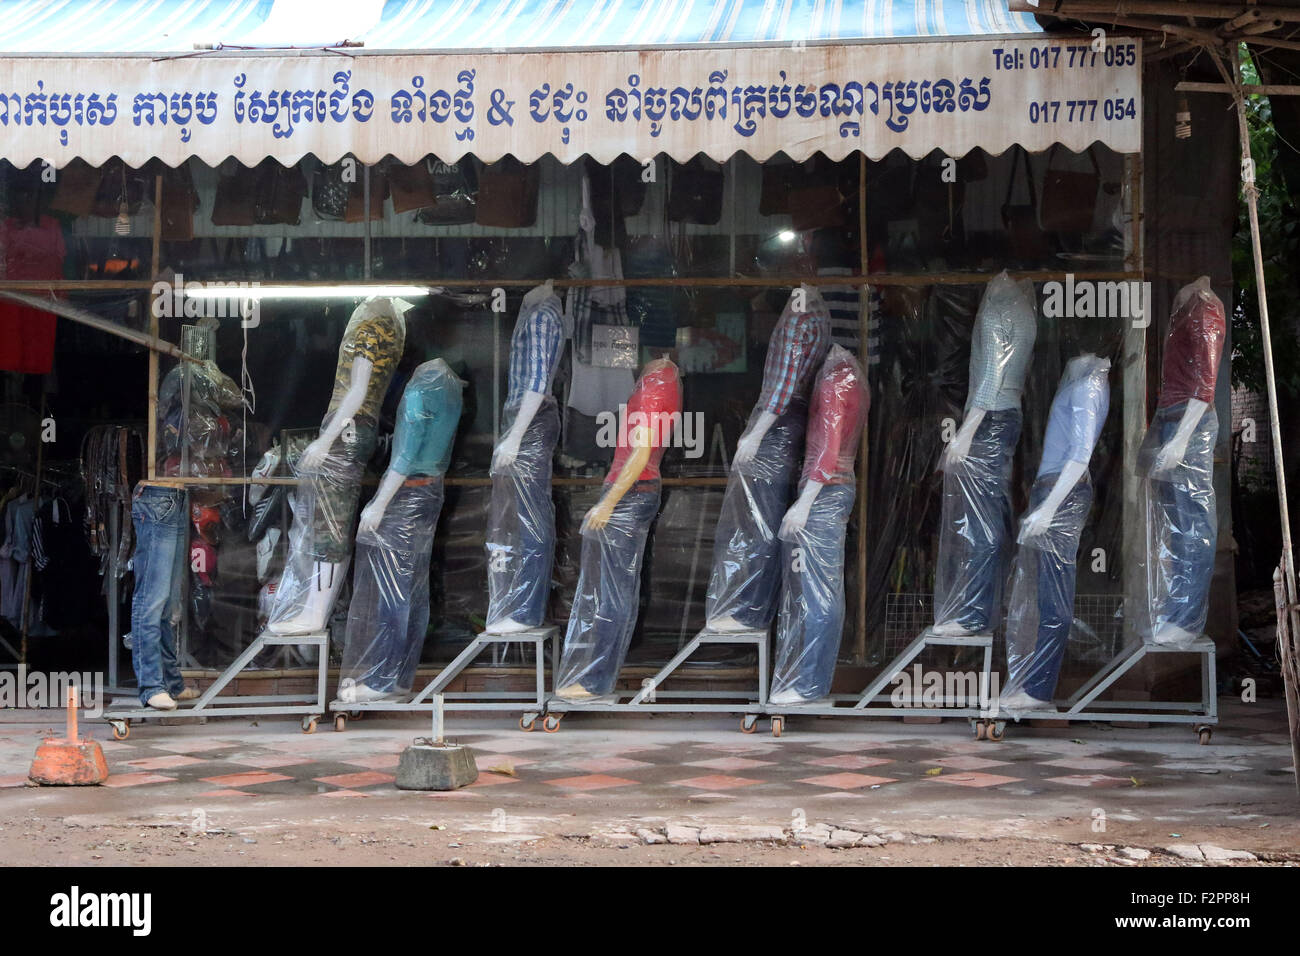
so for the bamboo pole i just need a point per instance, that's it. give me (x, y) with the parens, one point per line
(151, 440)
(1288, 611)
(864, 450)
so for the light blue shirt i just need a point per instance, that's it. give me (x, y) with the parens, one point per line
(1001, 345)
(427, 418)
(1078, 414)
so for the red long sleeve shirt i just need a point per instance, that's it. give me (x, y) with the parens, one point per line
(1192, 351)
(656, 404)
(840, 402)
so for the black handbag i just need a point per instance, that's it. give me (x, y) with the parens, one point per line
(695, 191)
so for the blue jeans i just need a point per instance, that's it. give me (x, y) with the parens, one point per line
(1045, 575)
(521, 525)
(389, 614)
(976, 525)
(812, 597)
(746, 578)
(1183, 521)
(160, 519)
(608, 595)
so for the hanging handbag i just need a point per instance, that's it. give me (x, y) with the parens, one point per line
(180, 201)
(279, 192)
(774, 192)
(1025, 238)
(628, 187)
(695, 191)
(410, 186)
(1069, 197)
(120, 186)
(329, 190)
(356, 207)
(234, 204)
(815, 199)
(507, 194)
(76, 189)
(455, 193)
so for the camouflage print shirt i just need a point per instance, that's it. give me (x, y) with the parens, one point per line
(378, 333)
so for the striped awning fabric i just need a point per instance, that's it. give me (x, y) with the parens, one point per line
(161, 26)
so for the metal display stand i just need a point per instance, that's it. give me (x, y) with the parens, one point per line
(1084, 705)
(434, 698)
(209, 704)
(872, 702)
(650, 699)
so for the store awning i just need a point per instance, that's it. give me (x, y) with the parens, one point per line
(522, 77)
(131, 26)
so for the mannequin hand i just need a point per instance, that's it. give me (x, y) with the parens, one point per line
(370, 516)
(959, 447)
(1036, 523)
(314, 454)
(507, 451)
(598, 517)
(1168, 458)
(794, 520)
(747, 448)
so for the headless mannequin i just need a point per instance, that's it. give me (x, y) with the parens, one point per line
(326, 577)
(640, 440)
(508, 447)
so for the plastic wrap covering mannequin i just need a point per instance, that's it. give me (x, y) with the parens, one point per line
(196, 432)
(330, 468)
(1176, 462)
(745, 582)
(389, 614)
(976, 519)
(521, 525)
(614, 534)
(812, 535)
(1041, 611)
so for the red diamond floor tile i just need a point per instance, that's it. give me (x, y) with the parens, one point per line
(967, 762)
(490, 779)
(272, 761)
(594, 781)
(247, 779)
(164, 763)
(135, 779)
(729, 763)
(975, 779)
(13, 780)
(717, 781)
(227, 793)
(350, 781)
(1092, 780)
(847, 781)
(377, 762)
(847, 761)
(603, 764)
(341, 793)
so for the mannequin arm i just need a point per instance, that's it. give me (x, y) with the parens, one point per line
(959, 447)
(747, 448)
(1171, 455)
(315, 453)
(372, 513)
(797, 516)
(538, 294)
(508, 447)
(1040, 519)
(599, 516)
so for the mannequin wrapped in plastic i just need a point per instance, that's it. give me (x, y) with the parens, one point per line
(521, 524)
(330, 468)
(812, 535)
(1176, 462)
(746, 577)
(976, 518)
(389, 613)
(1041, 611)
(614, 534)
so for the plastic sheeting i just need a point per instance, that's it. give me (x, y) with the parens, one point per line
(1040, 616)
(976, 518)
(812, 549)
(744, 585)
(201, 432)
(1176, 462)
(605, 602)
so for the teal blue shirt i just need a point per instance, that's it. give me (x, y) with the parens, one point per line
(427, 418)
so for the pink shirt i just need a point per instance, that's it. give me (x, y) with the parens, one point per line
(655, 403)
(838, 411)
(1193, 348)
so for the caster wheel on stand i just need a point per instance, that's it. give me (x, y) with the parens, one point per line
(994, 729)
(1203, 735)
(340, 722)
(551, 724)
(121, 729)
(527, 722)
(309, 723)
(981, 727)
(778, 725)
(748, 724)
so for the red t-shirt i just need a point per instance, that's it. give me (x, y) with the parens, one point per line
(29, 251)
(655, 403)
(1192, 352)
(839, 406)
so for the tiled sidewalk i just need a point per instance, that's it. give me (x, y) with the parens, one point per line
(678, 761)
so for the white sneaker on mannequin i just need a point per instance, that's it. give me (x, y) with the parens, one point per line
(951, 629)
(508, 626)
(1172, 634)
(724, 624)
(327, 579)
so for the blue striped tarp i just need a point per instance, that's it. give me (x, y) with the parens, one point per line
(133, 26)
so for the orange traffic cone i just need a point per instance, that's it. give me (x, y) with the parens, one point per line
(69, 762)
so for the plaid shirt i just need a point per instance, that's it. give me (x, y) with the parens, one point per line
(535, 349)
(797, 348)
(1001, 346)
